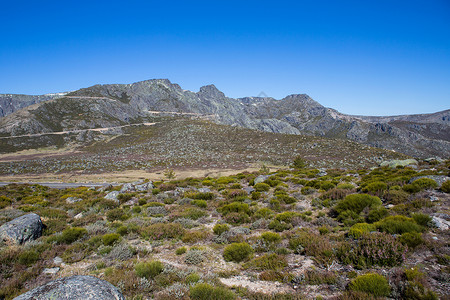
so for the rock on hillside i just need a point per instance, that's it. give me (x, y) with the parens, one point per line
(74, 288)
(22, 229)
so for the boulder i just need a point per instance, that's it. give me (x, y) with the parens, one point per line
(112, 196)
(75, 288)
(72, 200)
(22, 229)
(261, 178)
(396, 162)
(440, 223)
(126, 188)
(144, 187)
(249, 189)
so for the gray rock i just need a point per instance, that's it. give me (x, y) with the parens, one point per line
(396, 162)
(74, 288)
(261, 178)
(72, 200)
(249, 189)
(144, 187)
(127, 187)
(204, 190)
(51, 270)
(57, 260)
(112, 196)
(440, 223)
(22, 229)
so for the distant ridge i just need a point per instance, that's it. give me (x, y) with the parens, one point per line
(109, 105)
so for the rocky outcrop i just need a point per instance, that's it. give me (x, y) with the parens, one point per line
(22, 229)
(74, 288)
(10, 103)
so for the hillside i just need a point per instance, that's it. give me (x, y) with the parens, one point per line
(418, 135)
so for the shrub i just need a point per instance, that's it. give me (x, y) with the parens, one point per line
(398, 225)
(110, 238)
(357, 230)
(265, 213)
(271, 261)
(306, 242)
(371, 283)
(236, 207)
(375, 188)
(237, 218)
(195, 236)
(422, 219)
(194, 213)
(396, 196)
(220, 228)
(376, 214)
(204, 291)
(373, 249)
(271, 237)
(314, 277)
(70, 235)
(237, 252)
(411, 188)
(425, 183)
(199, 203)
(194, 257)
(28, 257)
(445, 187)
(299, 163)
(149, 270)
(327, 185)
(357, 203)
(4, 201)
(115, 214)
(262, 187)
(180, 251)
(163, 231)
(411, 239)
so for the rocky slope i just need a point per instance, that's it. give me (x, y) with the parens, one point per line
(416, 135)
(10, 103)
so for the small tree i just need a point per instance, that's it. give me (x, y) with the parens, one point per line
(170, 174)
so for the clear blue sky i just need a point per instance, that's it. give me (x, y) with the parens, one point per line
(371, 57)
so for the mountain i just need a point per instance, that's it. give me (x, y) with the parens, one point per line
(10, 103)
(102, 105)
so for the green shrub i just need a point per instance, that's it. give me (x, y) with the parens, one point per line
(306, 242)
(237, 252)
(299, 163)
(422, 219)
(262, 187)
(220, 228)
(411, 188)
(357, 230)
(398, 225)
(115, 215)
(70, 235)
(194, 213)
(279, 226)
(110, 238)
(236, 218)
(375, 188)
(357, 203)
(376, 214)
(327, 185)
(371, 283)
(180, 251)
(271, 237)
(4, 201)
(195, 236)
(425, 183)
(411, 239)
(122, 230)
(205, 291)
(396, 196)
(445, 187)
(192, 278)
(149, 270)
(264, 213)
(236, 207)
(28, 257)
(286, 199)
(315, 277)
(265, 262)
(199, 203)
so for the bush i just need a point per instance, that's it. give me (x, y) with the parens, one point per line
(204, 291)
(220, 228)
(371, 283)
(271, 237)
(373, 249)
(357, 203)
(236, 207)
(237, 252)
(357, 230)
(445, 187)
(396, 196)
(411, 239)
(28, 257)
(375, 188)
(376, 214)
(199, 203)
(398, 225)
(425, 183)
(70, 235)
(194, 213)
(194, 257)
(180, 251)
(149, 270)
(309, 243)
(299, 163)
(267, 262)
(262, 187)
(115, 215)
(4, 201)
(110, 238)
(422, 219)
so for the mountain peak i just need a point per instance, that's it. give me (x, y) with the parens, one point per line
(210, 91)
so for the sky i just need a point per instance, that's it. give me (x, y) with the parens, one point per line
(371, 57)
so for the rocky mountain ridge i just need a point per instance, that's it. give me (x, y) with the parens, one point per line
(416, 135)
